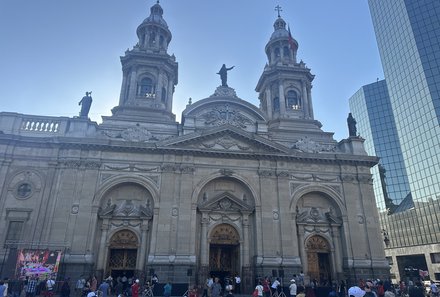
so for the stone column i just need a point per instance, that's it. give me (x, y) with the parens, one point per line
(204, 241)
(123, 94)
(305, 103)
(302, 251)
(103, 244)
(169, 97)
(337, 246)
(132, 92)
(246, 243)
(269, 103)
(143, 246)
(282, 99)
(309, 98)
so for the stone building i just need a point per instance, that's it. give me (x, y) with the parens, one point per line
(233, 188)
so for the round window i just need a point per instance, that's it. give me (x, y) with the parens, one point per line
(24, 190)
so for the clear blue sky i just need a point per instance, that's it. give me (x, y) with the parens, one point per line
(53, 51)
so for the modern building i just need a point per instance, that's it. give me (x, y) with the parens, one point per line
(400, 119)
(232, 188)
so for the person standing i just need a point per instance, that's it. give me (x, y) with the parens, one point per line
(167, 289)
(259, 288)
(93, 283)
(65, 288)
(135, 289)
(2, 288)
(105, 288)
(216, 288)
(31, 287)
(434, 289)
(50, 286)
(292, 288)
(79, 286)
(16, 288)
(237, 284)
(274, 287)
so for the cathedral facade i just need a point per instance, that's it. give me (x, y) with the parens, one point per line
(231, 189)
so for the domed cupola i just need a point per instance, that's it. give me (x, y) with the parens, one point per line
(153, 33)
(281, 46)
(285, 86)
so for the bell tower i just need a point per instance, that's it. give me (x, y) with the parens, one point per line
(285, 86)
(149, 75)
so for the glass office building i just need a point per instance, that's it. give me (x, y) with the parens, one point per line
(400, 120)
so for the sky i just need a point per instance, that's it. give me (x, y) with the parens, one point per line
(53, 51)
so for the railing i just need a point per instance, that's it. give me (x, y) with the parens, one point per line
(44, 126)
(40, 125)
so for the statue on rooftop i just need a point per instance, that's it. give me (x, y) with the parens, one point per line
(224, 74)
(85, 103)
(351, 122)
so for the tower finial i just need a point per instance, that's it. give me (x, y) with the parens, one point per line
(278, 9)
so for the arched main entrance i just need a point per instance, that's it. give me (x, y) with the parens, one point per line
(318, 259)
(123, 248)
(224, 251)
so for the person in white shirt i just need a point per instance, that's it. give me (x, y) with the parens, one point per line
(237, 284)
(275, 285)
(292, 288)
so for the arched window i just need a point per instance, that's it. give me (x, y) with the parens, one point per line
(164, 95)
(146, 87)
(277, 52)
(293, 102)
(286, 52)
(161, 41)
(276, 104)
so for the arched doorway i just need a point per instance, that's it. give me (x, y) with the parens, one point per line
(224, 251)
(318, 259)
(123, 250)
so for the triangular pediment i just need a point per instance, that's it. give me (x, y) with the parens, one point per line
(225, 202)
(226, 139)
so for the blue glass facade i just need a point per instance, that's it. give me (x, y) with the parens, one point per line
(400, 120)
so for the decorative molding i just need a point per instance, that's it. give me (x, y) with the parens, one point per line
(226, 172)
(226, 142)
(308, 145)
(283, 174)
(223, 114)
(266, 173)
(75, 208)
(308, 177)
(223, 91)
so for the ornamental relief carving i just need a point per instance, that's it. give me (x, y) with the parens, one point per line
(226, 142)
(124, 239)
(317, 243)
(126, 208)
(308, 145)
(24, 184)
(224, 114)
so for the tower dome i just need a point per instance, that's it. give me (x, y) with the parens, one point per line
(282, 47)
(153, 32)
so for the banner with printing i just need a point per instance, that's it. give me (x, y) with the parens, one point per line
(37, 263)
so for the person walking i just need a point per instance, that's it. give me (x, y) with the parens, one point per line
(167, 289)
(216, 288)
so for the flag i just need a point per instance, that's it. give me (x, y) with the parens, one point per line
(291, 40)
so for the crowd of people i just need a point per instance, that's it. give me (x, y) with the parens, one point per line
(214, 287)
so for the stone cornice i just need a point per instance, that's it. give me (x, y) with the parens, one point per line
(155, 148)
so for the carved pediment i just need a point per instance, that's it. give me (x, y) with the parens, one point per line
(226, 138)
(315, 215)
(225, 202)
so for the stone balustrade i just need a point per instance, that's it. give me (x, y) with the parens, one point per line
(44, 126)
